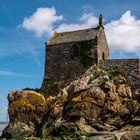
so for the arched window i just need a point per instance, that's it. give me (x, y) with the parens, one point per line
(103, 56)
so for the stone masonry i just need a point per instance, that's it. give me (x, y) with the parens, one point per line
(131, 68)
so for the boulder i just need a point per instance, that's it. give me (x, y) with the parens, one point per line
(134, 134)
(26, 110)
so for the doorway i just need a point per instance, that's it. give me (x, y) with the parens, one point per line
(103, 56)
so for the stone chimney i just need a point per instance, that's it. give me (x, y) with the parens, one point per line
(100, 21)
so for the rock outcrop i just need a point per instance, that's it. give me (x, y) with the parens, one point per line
(97, 105)
(26, 109)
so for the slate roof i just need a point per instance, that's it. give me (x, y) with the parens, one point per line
(74, 36)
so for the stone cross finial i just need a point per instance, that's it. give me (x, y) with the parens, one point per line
(55, 33)
(100, 21)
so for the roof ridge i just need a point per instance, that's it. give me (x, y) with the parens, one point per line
(97, 28)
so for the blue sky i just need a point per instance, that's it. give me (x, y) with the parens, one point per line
(24, 30)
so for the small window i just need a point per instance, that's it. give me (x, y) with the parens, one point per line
(103, 56)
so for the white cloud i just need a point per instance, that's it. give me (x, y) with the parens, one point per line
(124, 34)
(87, 20)
(41, 21)
(9, 73)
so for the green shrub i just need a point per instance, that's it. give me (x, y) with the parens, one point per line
(115, 71)
(87, 57)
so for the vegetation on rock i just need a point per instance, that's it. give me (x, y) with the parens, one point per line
(90, 106)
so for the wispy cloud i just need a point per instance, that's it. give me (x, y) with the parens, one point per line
(11, 48)
(31, 48)
(24, 44)
(16, 61)
(13, 74)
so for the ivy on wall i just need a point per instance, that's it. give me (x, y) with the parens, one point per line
(87, 57)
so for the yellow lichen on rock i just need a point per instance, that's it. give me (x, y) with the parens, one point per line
(76, 99)
(20, 104)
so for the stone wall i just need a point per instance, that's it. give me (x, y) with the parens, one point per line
(103, 48)
(131, 68)
(63, 63)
